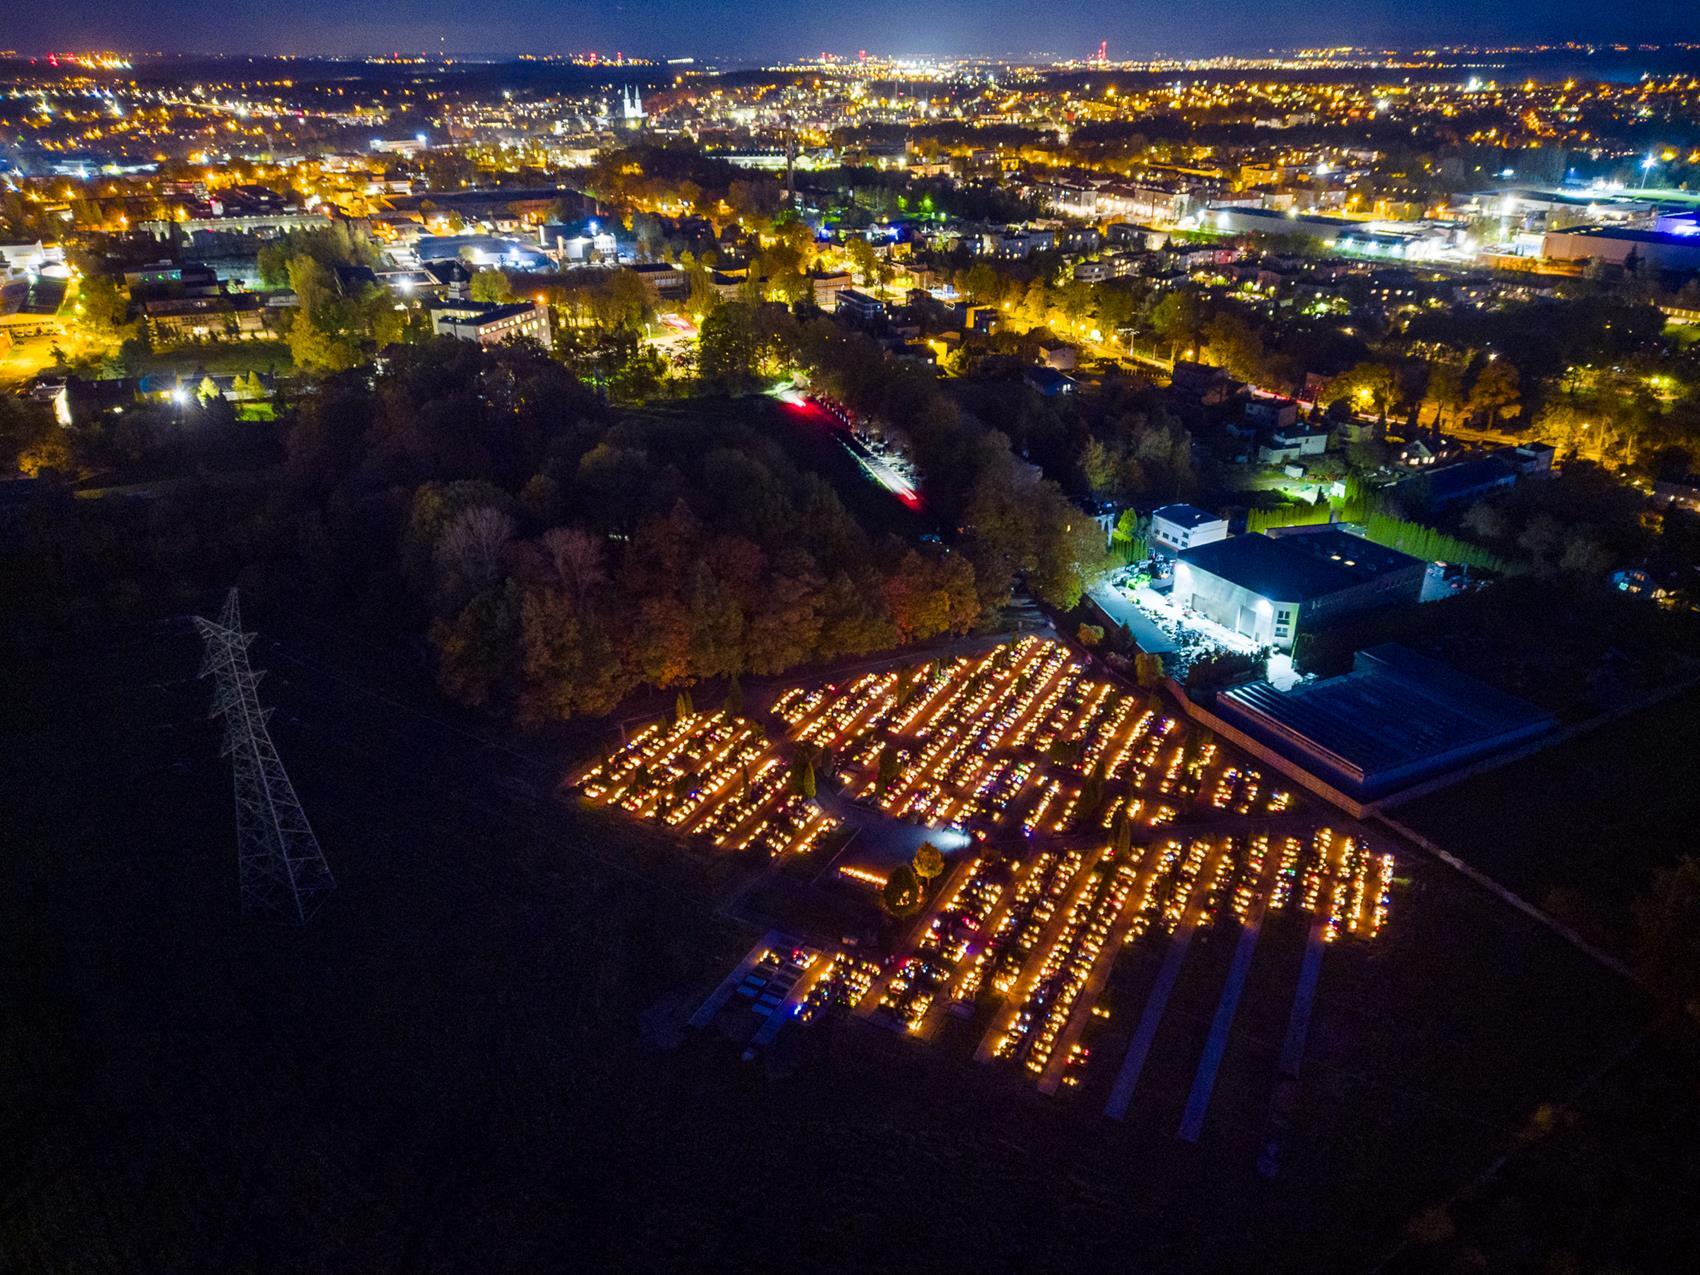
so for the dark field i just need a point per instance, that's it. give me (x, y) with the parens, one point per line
(471, 1059)
(1579, 828)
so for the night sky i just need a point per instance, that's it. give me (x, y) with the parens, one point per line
(770, 28)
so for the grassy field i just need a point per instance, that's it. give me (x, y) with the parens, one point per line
(1579, 829)
(225, 358)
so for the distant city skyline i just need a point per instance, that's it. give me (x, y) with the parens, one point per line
(772, 29)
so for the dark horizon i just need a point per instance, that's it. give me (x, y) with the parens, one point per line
(767, 30)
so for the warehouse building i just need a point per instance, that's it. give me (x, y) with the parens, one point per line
(1623, 246)
(1270, 590)
(1395, 720)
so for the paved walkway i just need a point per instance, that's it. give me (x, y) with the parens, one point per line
(1133, 1062)
(710, 1007)
(1204, 1080)
(1145, 631)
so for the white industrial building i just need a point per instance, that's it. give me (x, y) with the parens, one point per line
(1271, 589)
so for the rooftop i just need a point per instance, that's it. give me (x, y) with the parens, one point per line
(1296, 568)
(1466, 476)
(1630, 235)
(1189, 516)
(1395, 715)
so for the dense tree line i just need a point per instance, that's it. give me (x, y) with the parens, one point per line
(561, 553)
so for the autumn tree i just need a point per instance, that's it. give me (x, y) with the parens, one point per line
(492, 286)
(902, 895)
(1178, 319)
(863, 259)
(323, 336)
(1445, 390)
(888, 770)
(576, 559)
(727, 351)
(468, 554)
(1495, 393)
(103, 305)
(928, 864)
(1667, 934)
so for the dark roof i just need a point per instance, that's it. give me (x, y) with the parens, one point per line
(1630, 235)
(1450, 482)
(1394, 710)
(355, 279)
(1298, 567)
(489, 312)
(1198, 371)
(449, 270)
(1189, 516)
(1275, 215)
(1047, 380)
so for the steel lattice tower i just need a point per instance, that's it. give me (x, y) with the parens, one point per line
(281, 868)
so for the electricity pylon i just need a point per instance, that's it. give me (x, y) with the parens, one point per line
(280, 866)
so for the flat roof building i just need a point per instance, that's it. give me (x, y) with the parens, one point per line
(1464, 480)
(859, 306)
(1177, 527)
(1619, 246)
(492, 324)
(1268, 221)
(1270, 590)
(1396, 719)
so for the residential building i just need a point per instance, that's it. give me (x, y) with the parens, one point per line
(1208, 385)
(859, 307)
(1271, 411)
(1178, 527)
(1059, 355)
(828, 286)
(665, 282)
(1048, 381)
(1283, 446)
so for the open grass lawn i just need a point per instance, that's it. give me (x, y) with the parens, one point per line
(1579, 829)
(224, 358)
